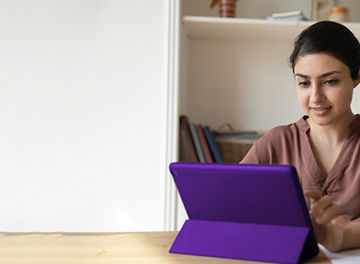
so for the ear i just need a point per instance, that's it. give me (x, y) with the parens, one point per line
(357, 81)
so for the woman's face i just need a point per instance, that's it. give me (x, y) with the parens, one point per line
(324, 88)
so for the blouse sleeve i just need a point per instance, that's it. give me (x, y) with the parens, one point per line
(265, 147)
(252, 157)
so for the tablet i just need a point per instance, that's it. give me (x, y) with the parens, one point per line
(244, 194)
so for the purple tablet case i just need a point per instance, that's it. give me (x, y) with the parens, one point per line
(240, 211)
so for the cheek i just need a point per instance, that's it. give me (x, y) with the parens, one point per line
(343, 95)
(345, 98)
(301, 95)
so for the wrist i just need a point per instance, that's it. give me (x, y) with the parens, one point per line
(350, 237)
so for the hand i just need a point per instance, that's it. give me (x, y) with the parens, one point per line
(328, 220)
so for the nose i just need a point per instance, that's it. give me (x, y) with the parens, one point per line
(317, 94)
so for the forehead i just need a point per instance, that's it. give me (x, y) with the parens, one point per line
(318, 63)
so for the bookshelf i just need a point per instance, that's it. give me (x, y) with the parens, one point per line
(215, 27)
(236, 70)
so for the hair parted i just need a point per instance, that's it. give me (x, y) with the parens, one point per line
(332, 38)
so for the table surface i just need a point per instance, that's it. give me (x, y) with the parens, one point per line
(137, 247)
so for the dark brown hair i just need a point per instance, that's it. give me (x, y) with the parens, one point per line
(332, 38)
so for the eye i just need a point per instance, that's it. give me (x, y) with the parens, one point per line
(303, 83)
(331, 82)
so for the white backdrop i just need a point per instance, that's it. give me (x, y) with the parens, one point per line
(82, 115)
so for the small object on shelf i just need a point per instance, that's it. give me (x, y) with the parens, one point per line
(339, 14)
(286, 16)
(227, 7)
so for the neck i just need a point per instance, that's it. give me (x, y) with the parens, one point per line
(334, 133)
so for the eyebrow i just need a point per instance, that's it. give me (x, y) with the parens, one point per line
(321, 76)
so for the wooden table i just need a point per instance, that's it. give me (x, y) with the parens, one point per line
(139, 248)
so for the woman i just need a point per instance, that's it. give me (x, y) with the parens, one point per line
(324, 145)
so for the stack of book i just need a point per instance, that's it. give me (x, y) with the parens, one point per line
(198, 143)
(287, 16)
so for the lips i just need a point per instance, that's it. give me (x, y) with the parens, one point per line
(320, 110)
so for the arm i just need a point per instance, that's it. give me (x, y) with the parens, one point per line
(332, 227)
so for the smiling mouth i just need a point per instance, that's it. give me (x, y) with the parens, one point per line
(320, 111)
(320, 108)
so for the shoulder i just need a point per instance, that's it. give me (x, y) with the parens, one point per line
(276, 144)
(283, 133)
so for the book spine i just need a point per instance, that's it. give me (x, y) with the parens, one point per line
(187, 147)
(196, 142)
(203, 143)
(212, 144)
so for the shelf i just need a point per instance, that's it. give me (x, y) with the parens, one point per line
(215, 27)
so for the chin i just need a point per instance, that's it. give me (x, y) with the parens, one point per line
(320, 121)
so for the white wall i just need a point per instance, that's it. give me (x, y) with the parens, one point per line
(82, 141)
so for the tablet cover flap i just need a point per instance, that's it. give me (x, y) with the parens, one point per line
(256, 194)
(272, 243)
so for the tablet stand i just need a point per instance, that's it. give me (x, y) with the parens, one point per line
(243, 211)
(245, 241)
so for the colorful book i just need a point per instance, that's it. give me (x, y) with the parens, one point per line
(187, 147)
(204, 144)
(196, 142)
(212, 144)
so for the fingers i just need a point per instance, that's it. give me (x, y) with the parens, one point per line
(316, 195)
(326, 215)
(341, 221)
(329, 221)
(323, 210)
(318, 207)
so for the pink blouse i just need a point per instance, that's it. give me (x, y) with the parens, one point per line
(290, 145)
